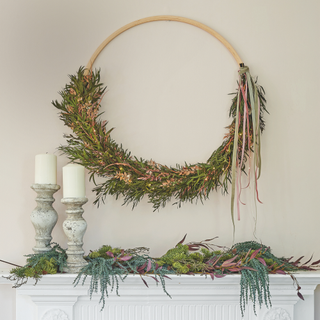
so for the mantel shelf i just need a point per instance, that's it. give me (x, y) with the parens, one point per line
(193, 298)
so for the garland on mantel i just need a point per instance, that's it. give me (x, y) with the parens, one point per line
(108, 267)
(92, 146)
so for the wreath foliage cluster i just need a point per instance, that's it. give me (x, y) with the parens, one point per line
(91, 145)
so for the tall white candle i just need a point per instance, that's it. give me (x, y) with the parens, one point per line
(73, 181)
(45, 169)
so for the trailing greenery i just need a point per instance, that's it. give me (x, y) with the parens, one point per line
(107, 267)
(252, 260)
(132, 177)
(49, 262)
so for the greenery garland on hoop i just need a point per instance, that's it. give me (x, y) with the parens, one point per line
(131, 177)
(92, 146)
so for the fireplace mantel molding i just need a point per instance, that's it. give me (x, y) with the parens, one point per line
(193, 298)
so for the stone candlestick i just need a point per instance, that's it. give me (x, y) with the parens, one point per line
(74, 227)
(44, 217)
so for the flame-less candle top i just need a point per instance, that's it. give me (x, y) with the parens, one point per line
(45, 169)
(73, 181)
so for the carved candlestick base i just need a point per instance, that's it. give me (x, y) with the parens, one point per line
(74, 227)
(44, 217)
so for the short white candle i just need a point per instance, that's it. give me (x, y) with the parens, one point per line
(73, 181)
(45, 169)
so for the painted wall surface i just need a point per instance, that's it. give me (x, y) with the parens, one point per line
(168, 86)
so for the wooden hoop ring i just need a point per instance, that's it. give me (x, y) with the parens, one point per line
(163, 18)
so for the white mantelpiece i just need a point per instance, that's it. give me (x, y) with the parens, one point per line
(193, 298)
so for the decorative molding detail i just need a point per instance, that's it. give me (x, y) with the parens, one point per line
(153, 310)
(55, 314)
(277, 314)
(194, 298)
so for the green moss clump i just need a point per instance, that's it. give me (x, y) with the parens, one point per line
(207, 254)
(182, 261)
(49, 262)
(173, 255)
(102, 252)
(269, 262)
(226, 256)
(44, 266)
(197, 256)
(94, 254)
(180, 268)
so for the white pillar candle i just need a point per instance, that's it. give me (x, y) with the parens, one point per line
(45, 169)
(73, 181)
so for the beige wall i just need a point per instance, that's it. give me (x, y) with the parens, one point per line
(168, 86)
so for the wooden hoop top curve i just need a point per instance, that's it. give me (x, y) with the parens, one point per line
(163, 18)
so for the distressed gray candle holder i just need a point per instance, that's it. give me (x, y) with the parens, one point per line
(74, 227)
(44, 217)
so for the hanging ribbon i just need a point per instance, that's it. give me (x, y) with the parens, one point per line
(245, 83)
(234, 156)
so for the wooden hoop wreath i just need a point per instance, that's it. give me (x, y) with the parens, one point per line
(163, 18)
(133, 178)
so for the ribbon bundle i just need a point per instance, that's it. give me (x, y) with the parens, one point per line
(246, 138)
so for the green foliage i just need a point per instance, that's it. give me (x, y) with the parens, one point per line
(108, 268)
(49, 262)
(133, 177)
(173, 255)
(251, 259)
(182, 261)
(254, 283)
(207, 254)
(102, 252)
